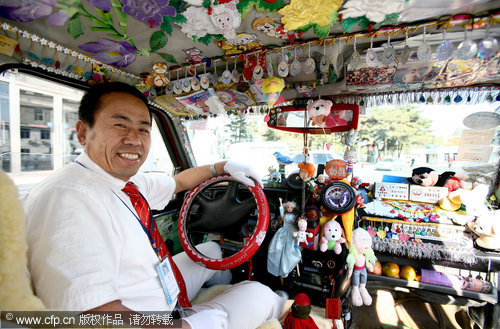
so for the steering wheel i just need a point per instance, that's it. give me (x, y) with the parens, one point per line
(222, 214)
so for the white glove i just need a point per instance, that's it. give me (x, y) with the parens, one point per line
(242, 172)
(208, 319)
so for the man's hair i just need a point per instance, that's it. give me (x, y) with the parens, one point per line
(90, 101)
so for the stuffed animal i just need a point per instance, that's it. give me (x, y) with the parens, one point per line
(272, 88)
(487, 226)
(313, 214)
(360, 258)
(429, 177)
(319, 111)
(302, 235)
(351, 157)
(298, 317)
(349, 138)
(158, 78)
(306, 170)
(332, 237)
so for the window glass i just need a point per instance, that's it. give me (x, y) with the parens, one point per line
(158, 159)
(71, 146)
(4, 127)
(36, 117)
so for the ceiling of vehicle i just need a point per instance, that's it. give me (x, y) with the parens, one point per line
(128, 38)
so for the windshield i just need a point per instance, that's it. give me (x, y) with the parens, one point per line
(391, 140)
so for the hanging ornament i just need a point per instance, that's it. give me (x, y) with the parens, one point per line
(324, 62)
(405, 53)
(235, 75)
(355, 57)
(204, 80)
(445, 49)
(186, 83)
(309, 65)
(295, 65)
(170, 86)
(226, 75)
(424, 52)
(488, 47)
(270, 66)
(371, 57)
(389, 53)
(215, 78)
(467, 48)
(178, 85)
(258, 70)
(283, 66)
(195, 83)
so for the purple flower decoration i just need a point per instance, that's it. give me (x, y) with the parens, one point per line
(104, 5)
(57, 19)
(26, 10)
(119, 54)
(150, 12)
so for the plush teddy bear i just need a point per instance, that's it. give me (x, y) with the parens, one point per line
(319, 112)
(272, 87)
(332, 237)
(429, 177)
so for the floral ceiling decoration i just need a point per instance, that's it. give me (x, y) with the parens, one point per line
(366, 12)
(120, 51)
(245, 6)
(305, 14)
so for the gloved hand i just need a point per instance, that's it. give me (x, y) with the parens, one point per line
(208, 319)
(242, 173)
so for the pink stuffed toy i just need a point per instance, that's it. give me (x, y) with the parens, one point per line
(332, 237)
(319, 111)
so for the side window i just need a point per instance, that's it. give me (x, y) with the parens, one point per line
(158, 159)
(37, 127)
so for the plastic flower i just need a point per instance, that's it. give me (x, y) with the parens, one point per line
(26, 10)
(119, 54)
(374, 10)
(150, 12)
(302, 12)
(104, 5)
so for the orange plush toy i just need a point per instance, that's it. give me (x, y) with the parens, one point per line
(307, 170)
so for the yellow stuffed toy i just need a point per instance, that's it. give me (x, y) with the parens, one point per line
(272, 87)
(16, 292)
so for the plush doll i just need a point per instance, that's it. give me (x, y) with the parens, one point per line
(319, 111)
(313, 215)
(487, 227)
(158, 77)
(272, 88)
(360, 258)
(332, 237)
(298, 317)
(306, 170)
(349, 138)
(428, 177)
(301, 235)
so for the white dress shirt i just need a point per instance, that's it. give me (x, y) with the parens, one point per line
(85, 246)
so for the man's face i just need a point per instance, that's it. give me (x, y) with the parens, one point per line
(120, 139)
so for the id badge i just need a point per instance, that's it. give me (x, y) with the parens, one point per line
(168, 282)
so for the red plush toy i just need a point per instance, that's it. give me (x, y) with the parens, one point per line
(299, 317)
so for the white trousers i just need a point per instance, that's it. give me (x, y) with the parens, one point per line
(248, 303)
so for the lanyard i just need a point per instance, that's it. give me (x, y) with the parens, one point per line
(148, 232)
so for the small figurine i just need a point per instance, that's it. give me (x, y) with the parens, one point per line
(298, 317)
(301, 235)
(306, 171)
(351, 157)
(360, 258)
(282, 255)
(332, 237)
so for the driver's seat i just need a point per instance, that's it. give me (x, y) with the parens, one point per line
(16, 290)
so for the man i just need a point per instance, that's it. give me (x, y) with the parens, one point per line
(88, 246)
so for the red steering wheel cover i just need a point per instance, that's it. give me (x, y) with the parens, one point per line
(248, 249)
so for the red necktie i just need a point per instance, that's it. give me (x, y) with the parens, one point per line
(144, 212)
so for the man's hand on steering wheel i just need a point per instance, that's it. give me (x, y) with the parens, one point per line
(242, 173)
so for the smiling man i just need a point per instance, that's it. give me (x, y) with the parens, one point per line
(93, 244)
